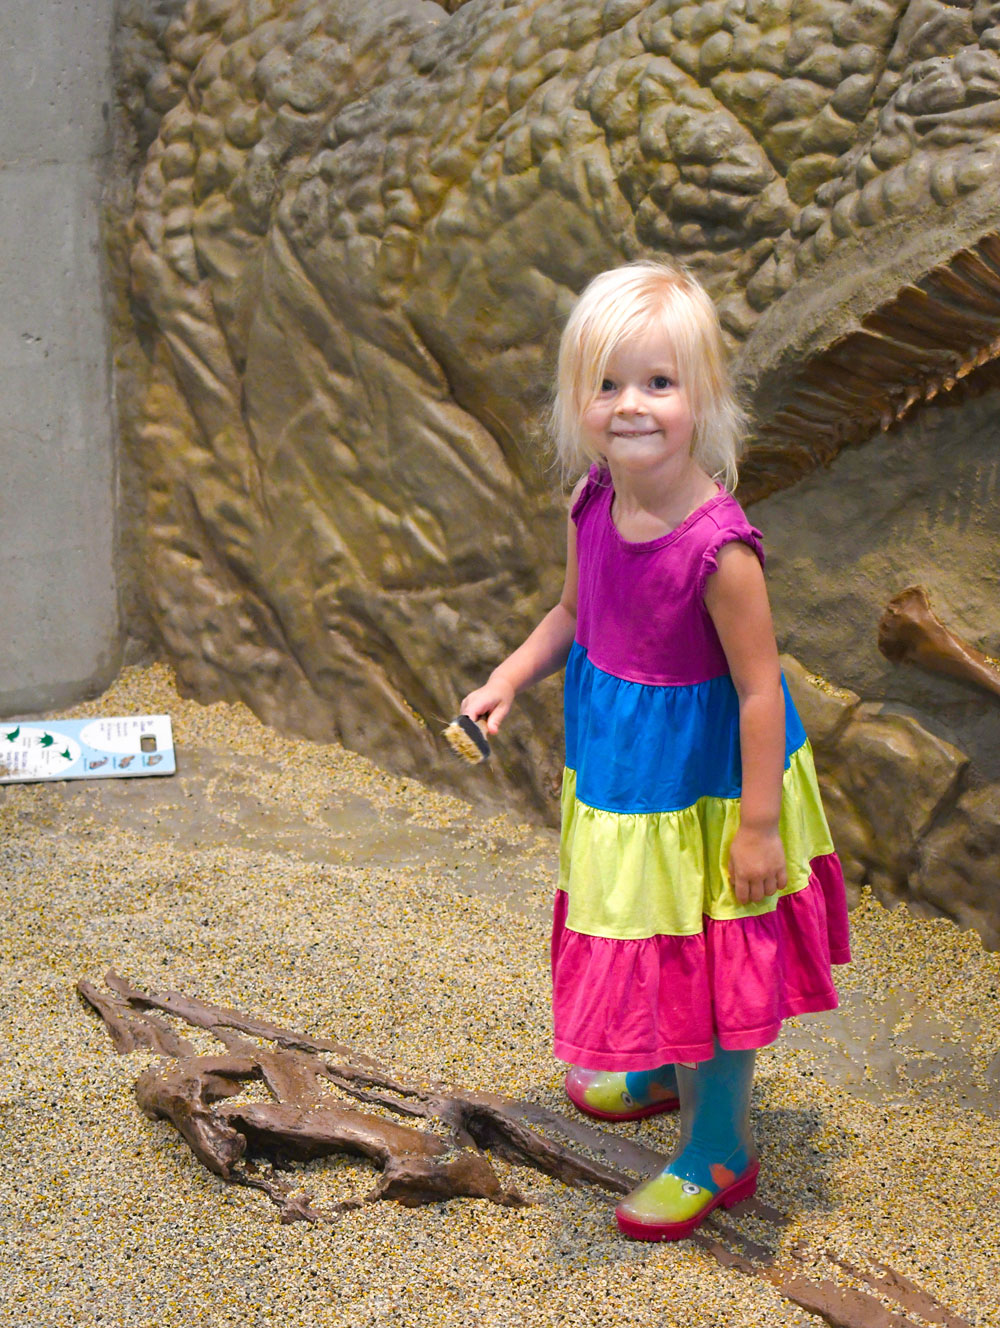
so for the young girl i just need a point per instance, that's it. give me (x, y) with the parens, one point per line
(700, 902)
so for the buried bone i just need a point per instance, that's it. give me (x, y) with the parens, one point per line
(909, 632)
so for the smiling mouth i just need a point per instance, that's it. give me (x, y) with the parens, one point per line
(633, 433)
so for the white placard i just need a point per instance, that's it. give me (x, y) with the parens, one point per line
(121, 746)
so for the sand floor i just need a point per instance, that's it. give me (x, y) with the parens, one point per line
(302, 883)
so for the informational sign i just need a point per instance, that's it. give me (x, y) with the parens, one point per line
(120, 747)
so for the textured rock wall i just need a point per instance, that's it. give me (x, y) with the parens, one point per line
(910, 775)
(354, 236)
(904, 813)
(919, 505)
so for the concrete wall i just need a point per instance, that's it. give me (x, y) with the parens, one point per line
(60, 637)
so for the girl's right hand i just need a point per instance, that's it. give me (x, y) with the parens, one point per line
(493, 699)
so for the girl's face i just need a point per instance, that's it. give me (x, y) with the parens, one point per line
(641, 416)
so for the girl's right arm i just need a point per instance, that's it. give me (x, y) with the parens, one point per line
(545, 651)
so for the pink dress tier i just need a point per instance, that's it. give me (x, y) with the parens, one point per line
(653, 957)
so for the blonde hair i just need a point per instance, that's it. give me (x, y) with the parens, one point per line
(624, 303)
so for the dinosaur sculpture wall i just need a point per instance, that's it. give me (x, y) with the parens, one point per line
(355, 232)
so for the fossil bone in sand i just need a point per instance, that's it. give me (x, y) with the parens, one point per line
(197, 1091)
(911, 633)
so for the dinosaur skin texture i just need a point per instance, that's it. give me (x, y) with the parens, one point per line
(357, 229)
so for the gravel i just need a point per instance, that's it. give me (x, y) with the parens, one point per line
(303, 883)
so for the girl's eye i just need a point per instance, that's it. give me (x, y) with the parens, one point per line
(661, 381)
(607, 385)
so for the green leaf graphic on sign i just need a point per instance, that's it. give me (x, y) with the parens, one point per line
(46, 740)
(11, 734)
(67, 754)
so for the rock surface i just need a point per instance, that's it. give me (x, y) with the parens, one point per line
(895, 777)
(919, 505)
(355, 235)
(900, 812)
(958, 864)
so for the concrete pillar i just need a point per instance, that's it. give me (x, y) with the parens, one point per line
(60, 637)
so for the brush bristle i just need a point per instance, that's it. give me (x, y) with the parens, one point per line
(467, 739)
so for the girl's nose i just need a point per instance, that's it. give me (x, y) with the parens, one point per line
(628, 401)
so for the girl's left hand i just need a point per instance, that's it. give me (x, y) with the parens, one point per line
(757, 864)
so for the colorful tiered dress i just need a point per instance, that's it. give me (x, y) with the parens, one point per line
(653, 957)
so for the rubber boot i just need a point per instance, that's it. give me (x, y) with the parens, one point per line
(715, 1162)
(618, 1095)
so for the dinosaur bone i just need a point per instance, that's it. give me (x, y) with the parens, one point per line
(909, 632)
(198, 1092)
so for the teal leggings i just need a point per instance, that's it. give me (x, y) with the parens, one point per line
(715, 1119)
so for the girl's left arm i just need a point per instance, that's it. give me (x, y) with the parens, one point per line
(736, 599)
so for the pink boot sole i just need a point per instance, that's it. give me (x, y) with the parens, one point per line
(741, 1188)
(639, 1113)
